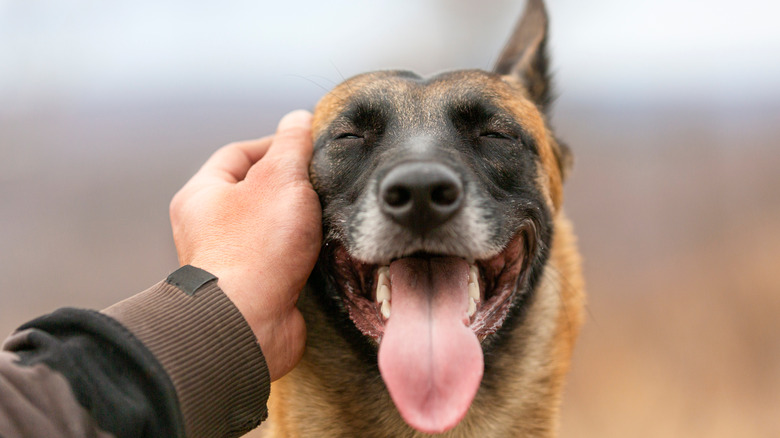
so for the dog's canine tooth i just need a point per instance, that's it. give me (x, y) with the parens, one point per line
(473, 274)
(382, 293)
(383, 284)
(383, 290)
(474, 291)
(385, 309)
(383, 275)
(474, 283)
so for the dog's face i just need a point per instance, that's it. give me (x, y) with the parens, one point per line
(438, 199)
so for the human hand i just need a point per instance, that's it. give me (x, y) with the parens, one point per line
(251, 217)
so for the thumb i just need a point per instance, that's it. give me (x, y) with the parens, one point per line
(293, 138)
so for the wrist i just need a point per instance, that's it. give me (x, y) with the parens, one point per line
(236, 284)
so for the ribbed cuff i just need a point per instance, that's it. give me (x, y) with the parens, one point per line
(208, 350)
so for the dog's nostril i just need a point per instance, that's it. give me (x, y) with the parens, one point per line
(445, 194)
(397, 196)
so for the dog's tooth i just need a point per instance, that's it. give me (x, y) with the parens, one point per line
(474, 291)
(383, 276)
(473, 274)
(382, 293)
(472, 307)
(383, 290)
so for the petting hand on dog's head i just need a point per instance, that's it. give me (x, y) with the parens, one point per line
(251, 217)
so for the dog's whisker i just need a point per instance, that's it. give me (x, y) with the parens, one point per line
(308, 79)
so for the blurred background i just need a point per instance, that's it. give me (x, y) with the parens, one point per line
(672, 108)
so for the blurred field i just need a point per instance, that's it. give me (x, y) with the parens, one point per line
(678, 214)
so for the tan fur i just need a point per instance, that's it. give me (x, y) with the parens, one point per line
(333, 392)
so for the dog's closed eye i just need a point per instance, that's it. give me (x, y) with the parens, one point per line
(348, 136)
(497, 135)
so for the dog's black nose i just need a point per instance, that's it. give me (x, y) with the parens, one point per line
(420, 195)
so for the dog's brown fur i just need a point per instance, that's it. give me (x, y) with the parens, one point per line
(335, 393)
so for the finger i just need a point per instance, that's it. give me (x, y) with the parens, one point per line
(232, 162)
(292, 141)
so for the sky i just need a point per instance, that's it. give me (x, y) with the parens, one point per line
(90, 51)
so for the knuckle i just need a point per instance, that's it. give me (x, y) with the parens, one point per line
(224, 151)
(231, 145)
(174, 207)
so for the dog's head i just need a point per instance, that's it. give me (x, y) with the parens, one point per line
(438, 198)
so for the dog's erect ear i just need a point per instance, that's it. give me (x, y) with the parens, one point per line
(525, 55)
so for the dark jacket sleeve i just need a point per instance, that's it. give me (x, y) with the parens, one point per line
(175, 360)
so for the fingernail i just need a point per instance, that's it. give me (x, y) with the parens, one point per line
(296, 119)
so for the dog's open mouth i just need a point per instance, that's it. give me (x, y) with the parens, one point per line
(489, 284)
(429, 313)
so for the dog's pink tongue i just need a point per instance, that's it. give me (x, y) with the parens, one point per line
(430, 360)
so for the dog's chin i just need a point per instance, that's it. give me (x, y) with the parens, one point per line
(366, 289)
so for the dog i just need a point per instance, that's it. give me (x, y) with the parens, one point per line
(448, 293)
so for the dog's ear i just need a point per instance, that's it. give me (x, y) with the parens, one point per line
(525, 55)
